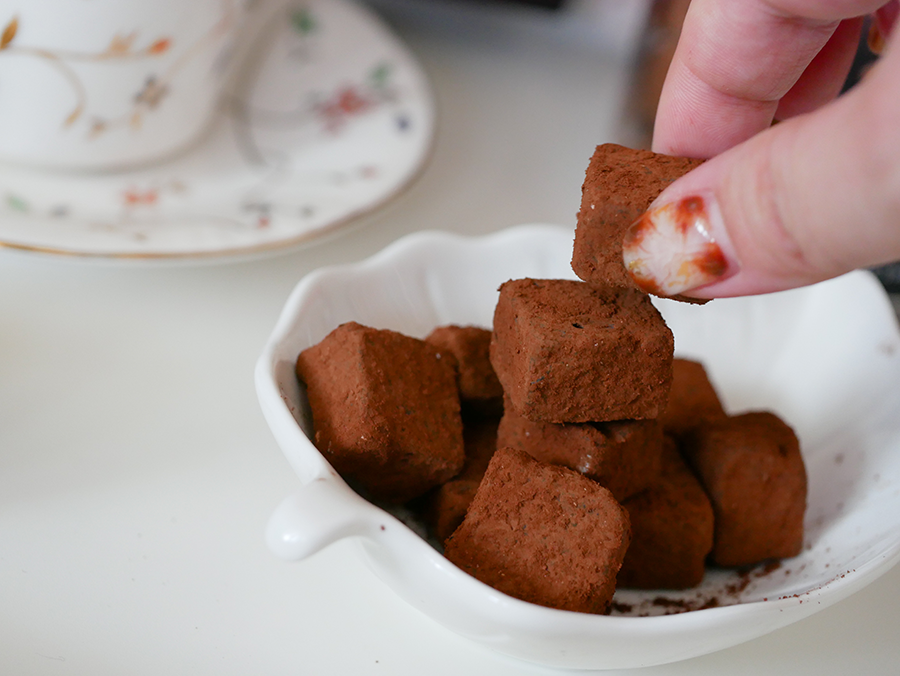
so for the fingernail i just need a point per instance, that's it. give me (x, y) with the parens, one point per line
(670, 250)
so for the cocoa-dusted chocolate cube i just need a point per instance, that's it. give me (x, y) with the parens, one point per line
(446, 505)
(692, 399)
(480, 392)
(385, 410)
(619, 185)
(671, 529)
(752, 470)
(624, 455)
(568, 352)
(542, 533)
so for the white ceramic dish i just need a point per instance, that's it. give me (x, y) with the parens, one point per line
(329, 116)
(826, 358)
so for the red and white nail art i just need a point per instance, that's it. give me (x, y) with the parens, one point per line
(670, 250)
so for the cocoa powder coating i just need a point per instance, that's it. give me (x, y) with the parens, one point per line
(479, 390)
(692, 399)
(543, 534)
(619, 185)
(672, 529)
(751, 468)
(624, 456)
(446, 505)
(568, 352)
(385, 410)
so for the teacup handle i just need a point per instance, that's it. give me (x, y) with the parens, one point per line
(313, 517)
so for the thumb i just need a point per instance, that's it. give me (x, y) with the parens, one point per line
(808, 199)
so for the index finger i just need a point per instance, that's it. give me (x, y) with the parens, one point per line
(733, 64)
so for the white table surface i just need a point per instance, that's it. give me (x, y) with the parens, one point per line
(137, 473)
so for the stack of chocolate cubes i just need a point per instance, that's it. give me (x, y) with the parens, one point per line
(567, 451)
(592, 391)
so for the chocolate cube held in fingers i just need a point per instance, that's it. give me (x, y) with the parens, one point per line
(624, 455)
(542, 533)
(752, 470)
(619, 185)
(385, 410)
(568, 352)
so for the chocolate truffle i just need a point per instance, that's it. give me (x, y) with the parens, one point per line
(543, 534)
(752, 470)
(568, 352)
(479, 390)
(672, 529)
(446, 505)
(624, 456)
(619, 185)
(692, 399)
(385, 410)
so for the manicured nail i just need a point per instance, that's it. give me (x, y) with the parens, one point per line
(670, 249)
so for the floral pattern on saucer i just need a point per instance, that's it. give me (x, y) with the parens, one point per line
(330, 117)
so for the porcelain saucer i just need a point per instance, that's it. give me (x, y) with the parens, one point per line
(329, 116)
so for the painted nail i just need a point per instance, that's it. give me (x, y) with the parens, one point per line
(670, 249)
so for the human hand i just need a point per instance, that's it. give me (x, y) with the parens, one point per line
(778, 206)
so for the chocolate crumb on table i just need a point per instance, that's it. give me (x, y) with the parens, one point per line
(385, 410)
(619, 185)
(751, 468)
(542, 533)
(568, 352)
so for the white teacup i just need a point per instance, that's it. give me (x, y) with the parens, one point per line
(108, 84)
